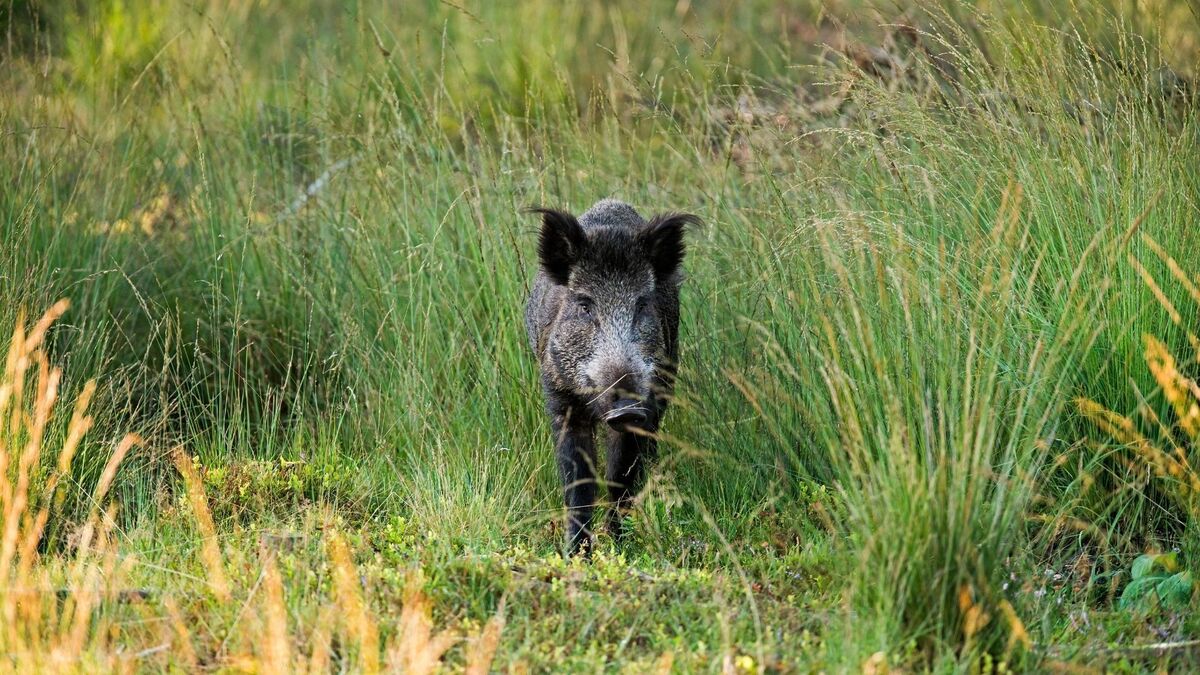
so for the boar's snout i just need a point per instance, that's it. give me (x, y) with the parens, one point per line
(624, 403)
(627, 413)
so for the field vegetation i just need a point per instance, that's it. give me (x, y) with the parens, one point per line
(937, 410)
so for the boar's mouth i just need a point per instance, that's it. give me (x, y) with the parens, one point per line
(627, 413)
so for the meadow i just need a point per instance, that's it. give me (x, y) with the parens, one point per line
(268, 404)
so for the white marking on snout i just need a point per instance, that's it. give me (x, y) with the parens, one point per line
(634, 407)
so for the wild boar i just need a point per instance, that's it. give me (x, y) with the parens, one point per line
(603, 322)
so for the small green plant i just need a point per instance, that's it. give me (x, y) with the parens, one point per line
(1157, 580)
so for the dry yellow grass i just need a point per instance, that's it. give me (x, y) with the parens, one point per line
(41, 630)
(56, 609)
(1171, 456)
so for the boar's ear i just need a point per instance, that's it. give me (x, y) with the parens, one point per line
(561, 243)
(662, 239)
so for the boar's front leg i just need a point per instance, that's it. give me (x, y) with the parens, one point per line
(577, 468)
(628, 453)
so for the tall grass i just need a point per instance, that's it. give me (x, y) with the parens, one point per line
(933, 394)
(1162, 445)
(952, 319)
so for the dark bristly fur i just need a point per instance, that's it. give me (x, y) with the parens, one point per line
(603, 321)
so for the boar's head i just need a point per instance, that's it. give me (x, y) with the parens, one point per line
(612, 343)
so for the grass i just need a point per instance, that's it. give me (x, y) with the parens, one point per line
(70, 613)
(293, 243)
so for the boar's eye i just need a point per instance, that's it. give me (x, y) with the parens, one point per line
(584, 305)
(640, 308)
